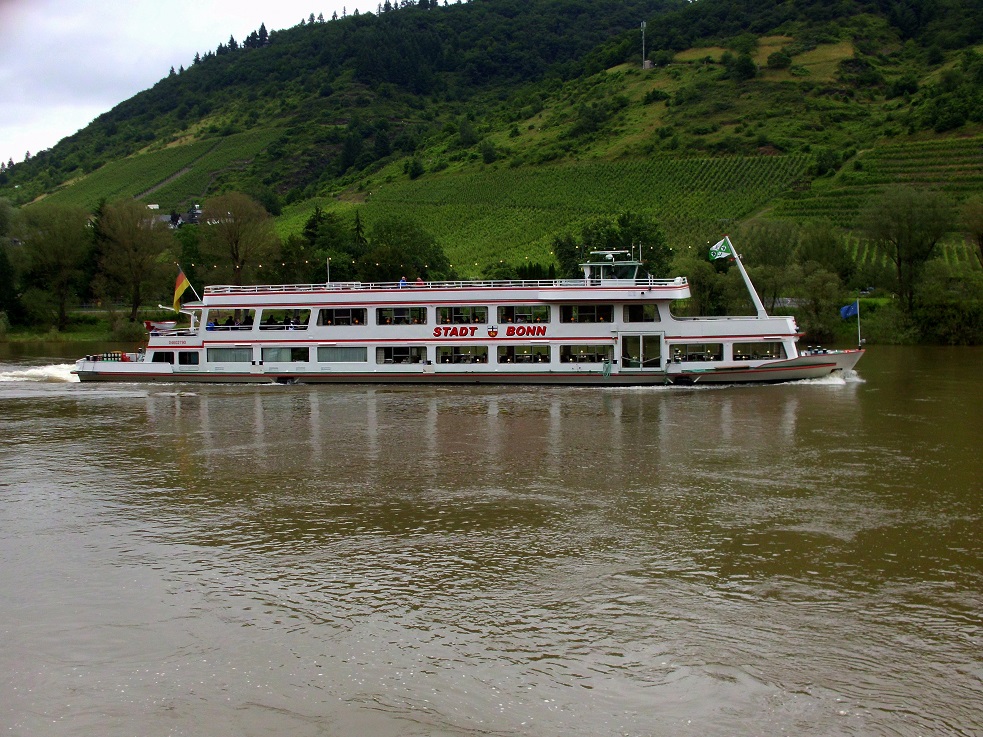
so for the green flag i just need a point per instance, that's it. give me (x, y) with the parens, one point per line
(722, 249)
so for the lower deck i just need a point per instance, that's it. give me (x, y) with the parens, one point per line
(596, 367)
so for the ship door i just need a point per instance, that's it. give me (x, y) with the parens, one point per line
(641, 352)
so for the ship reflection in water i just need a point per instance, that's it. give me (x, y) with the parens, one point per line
(299, 560)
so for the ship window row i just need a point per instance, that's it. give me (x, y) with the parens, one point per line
(523, 353)
(184, 358)
(637, 352)
(760, 350)
(299, 319)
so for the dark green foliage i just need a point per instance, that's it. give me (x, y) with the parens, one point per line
(631, 232)
(860, 71)
(906, 224)
(10, 303)
(779, 60)
(488, 153)
(824, 245)
(57, 243)
(414, 168)
(950, 305)
(400, 248)
(827, 161)
(661, 58)
(741, 68)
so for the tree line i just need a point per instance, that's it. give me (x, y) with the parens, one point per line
(911, 292)
(54, 257)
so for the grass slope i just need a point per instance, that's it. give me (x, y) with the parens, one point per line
(505, 214)
(951, 165)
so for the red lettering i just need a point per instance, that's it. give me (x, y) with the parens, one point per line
(510, 330)
(473, 331)
(436, 332)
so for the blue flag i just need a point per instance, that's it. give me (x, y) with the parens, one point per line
(850, 310)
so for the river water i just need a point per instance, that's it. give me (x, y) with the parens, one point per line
(798, 559)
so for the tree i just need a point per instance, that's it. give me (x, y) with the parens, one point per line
(402, 248)
(628, 231)
(779, 60)
(359, 241)
(906, 225)
(823, 244)
(820, 293)
(58, 241)
(768, 248)
(238, 235)
(9, 298)
(135, 246)
(971, 218)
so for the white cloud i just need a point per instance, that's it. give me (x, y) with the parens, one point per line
(64, 62)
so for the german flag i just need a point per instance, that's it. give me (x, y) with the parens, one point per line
(180, 285)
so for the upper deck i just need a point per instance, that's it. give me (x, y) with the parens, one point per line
(543, 290)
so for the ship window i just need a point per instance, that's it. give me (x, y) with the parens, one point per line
(462, 315)
(586, 313)
(759, 350)
(241, 354)
(230, 319)
(291, 354)
(524, 313)
(342, 354)
(462, 354)
(284, 319)
(401, 354)
(524, 354)
(341, 316)
(188, 358)
(163, 357)
(586, 353)
(641, 313)
(696, 352)
(401, 316)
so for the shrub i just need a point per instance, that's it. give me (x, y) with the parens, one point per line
(779, 60)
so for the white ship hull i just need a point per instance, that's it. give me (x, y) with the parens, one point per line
(607, 329)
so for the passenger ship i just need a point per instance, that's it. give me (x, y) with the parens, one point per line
(612, 327)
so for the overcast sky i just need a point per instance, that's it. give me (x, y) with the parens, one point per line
(64, 62)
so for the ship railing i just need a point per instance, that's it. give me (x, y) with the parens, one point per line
(175, 331)
(679, 281)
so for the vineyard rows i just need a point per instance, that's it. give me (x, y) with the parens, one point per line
(511, 214)
(190, 168)
(954, 166)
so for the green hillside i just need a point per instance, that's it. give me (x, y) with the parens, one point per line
(511, 214)
(505, 137)
(500, 124)
(950, 165)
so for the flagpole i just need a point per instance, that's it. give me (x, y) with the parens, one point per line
(860, 342)
(747, 280)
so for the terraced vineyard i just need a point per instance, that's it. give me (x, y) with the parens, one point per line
(169, 176)
(953, 166)
(512, 214)
(231, 151)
